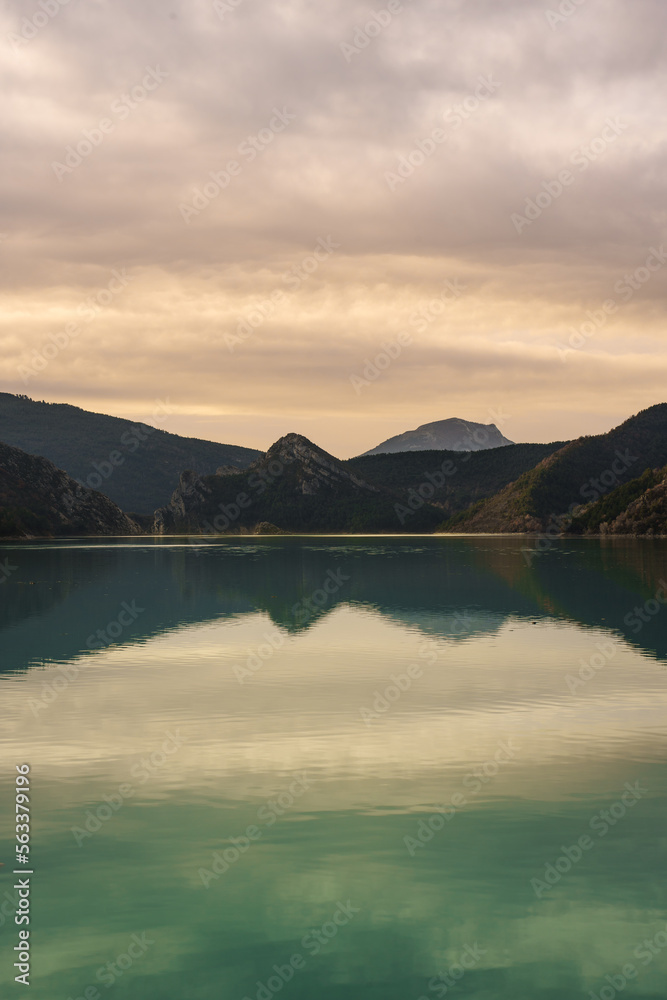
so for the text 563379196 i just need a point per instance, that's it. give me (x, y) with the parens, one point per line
(22, 887)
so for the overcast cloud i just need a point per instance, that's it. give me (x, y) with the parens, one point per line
(173, 92)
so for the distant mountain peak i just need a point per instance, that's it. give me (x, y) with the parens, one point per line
(452, 434)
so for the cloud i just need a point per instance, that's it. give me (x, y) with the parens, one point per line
(320, 170)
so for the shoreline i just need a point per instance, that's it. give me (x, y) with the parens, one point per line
(209, 539)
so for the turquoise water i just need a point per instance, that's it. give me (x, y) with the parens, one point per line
(337, 768)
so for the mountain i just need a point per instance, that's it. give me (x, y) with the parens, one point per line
(609, 483)
(136, 465)
(457, 479)
(581, 472)
(444, 435)
(295, 487)
(36, 498)
(636, 508)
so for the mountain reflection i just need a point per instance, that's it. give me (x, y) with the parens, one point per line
(60, 597)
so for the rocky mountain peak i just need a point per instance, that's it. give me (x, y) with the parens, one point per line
(312, 466)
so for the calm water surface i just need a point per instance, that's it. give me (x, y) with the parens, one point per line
(338, 768)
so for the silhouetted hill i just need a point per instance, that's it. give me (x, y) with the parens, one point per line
(36, 498)
(134, 464)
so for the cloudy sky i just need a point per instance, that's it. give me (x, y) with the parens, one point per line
(235, 206)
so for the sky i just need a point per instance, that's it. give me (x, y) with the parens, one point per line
(218, 216)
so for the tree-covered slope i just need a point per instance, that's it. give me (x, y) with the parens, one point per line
(635, 508)
(134, 464)
(581, 472)
(459, 480)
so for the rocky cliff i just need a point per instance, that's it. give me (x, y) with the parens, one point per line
(38, 499)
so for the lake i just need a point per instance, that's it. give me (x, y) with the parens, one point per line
(337, 768)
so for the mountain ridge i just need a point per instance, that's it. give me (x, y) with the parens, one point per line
(607, 483)
(135, 464)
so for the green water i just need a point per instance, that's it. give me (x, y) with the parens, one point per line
(337, 768)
